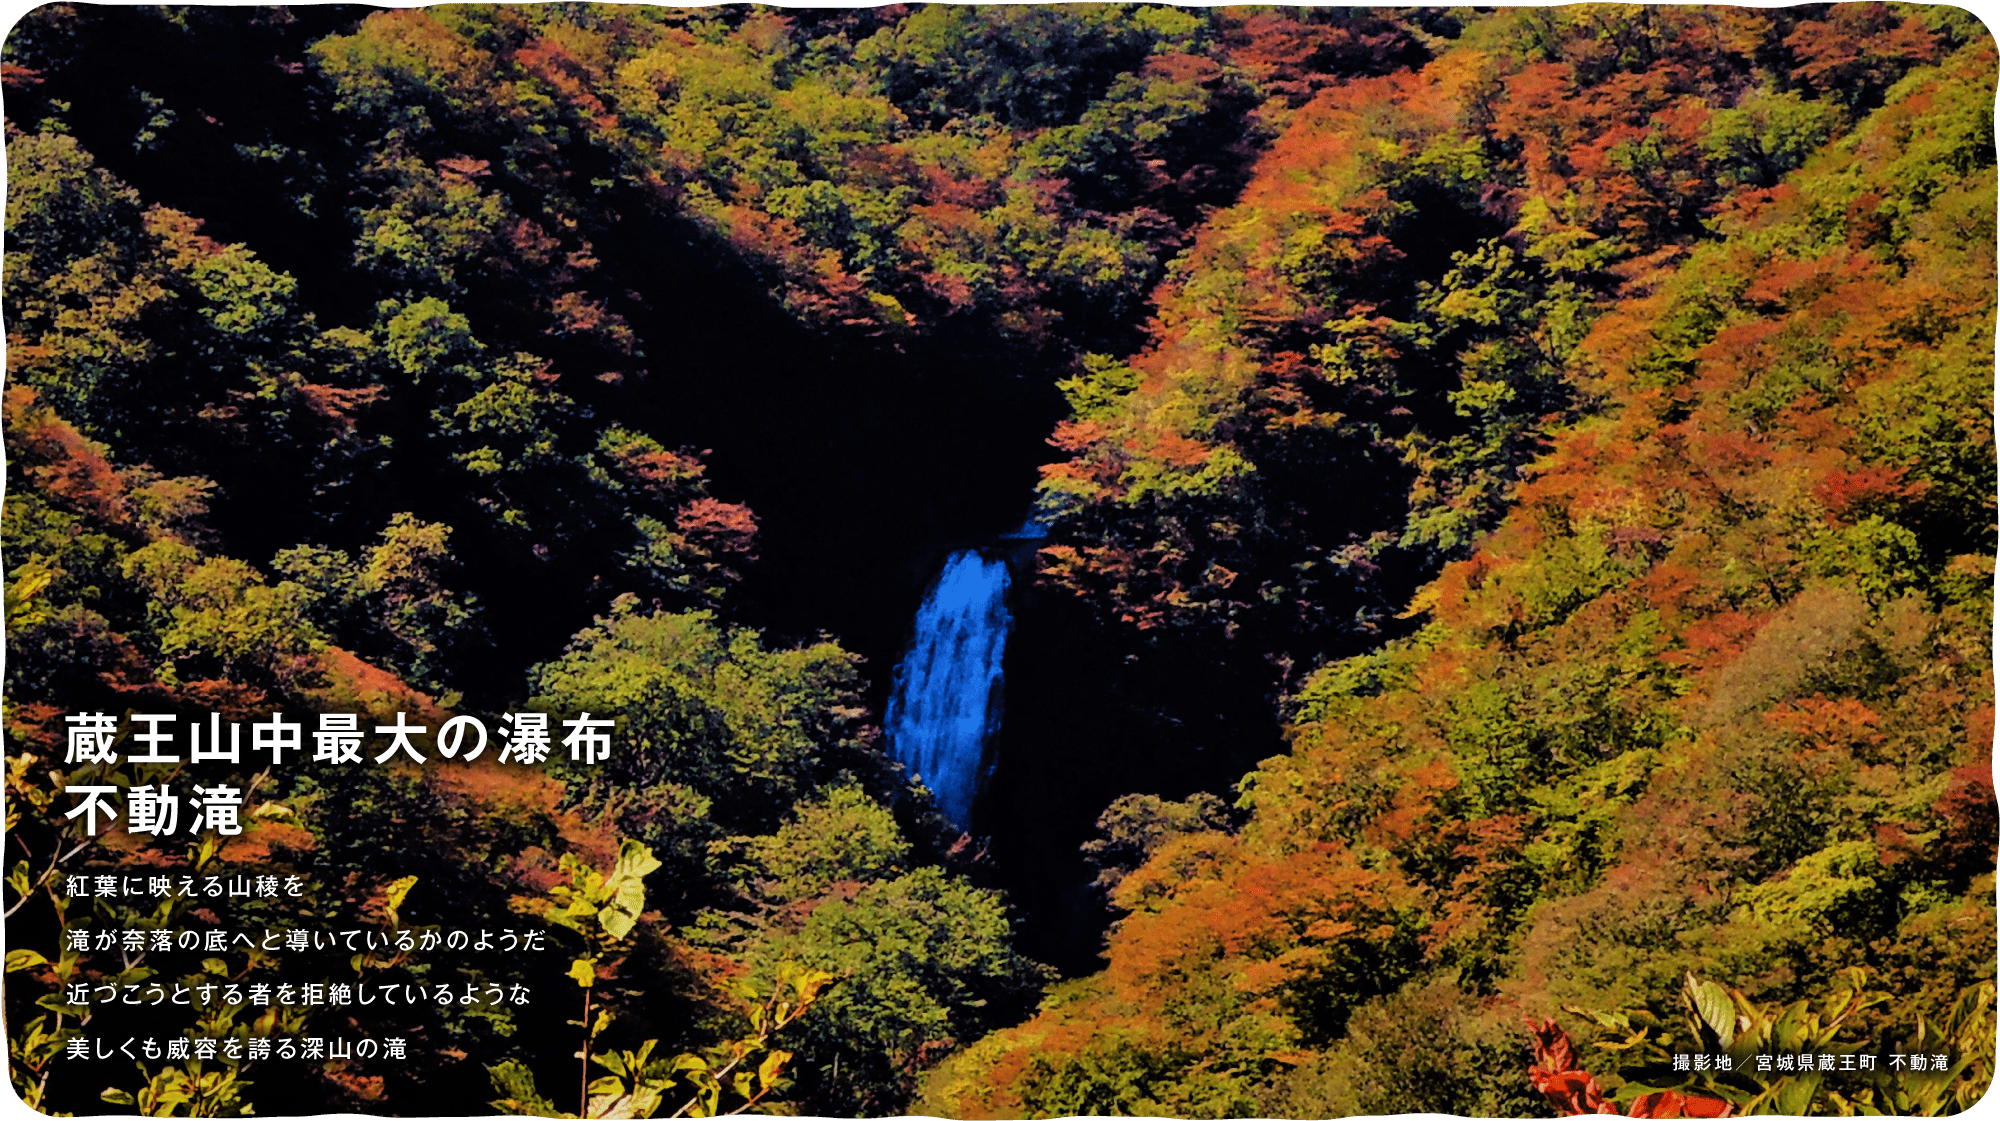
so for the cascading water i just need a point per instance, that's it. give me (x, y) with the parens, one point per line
(946, 696)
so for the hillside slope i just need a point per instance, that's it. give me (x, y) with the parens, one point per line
(1714, 695)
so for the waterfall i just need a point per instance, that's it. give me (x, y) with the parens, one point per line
(946, 696)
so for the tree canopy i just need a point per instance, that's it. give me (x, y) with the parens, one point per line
(1572, 425)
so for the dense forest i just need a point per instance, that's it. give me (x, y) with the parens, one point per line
(1509, 601)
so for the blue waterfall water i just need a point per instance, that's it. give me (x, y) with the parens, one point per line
(946, 696)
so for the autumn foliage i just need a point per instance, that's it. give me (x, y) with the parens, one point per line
(1706, 643)
(1573, 422)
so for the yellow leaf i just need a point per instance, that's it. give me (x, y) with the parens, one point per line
(393, 896)
(24, 959)
(773, 1064)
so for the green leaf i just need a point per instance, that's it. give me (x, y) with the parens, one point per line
(606, 1086)
(1795, 1095)
(1788, 1031)
(24, 959)
(623, 893)
(636, 860)
(1712, 1004)
(610, 1099)
(1603, 1019)
(54, 1002)
(515, 1084)
(810, 983)
(688, 1062)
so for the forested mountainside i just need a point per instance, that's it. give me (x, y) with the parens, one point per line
(1713, 692)
(1572, 426)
